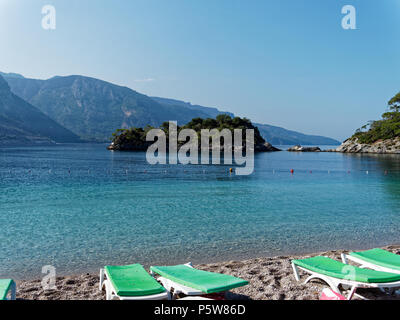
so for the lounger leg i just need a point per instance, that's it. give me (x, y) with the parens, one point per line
(390, 291)
(344, 259)
(175, 294)
(352, 292)
(109, 295)
(101, 279)
(332, 284)
(296, 272)
(13, 291)
(360, 296)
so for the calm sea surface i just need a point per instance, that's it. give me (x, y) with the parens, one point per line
(80, 207)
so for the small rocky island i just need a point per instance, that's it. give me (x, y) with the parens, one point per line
(299, 148)
(134, 139)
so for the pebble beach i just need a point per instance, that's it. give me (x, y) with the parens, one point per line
(270, 278)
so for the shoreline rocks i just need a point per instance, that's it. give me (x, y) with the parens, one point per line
(265, 147)
(352, 145)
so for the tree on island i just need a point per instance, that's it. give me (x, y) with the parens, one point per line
(135, 138)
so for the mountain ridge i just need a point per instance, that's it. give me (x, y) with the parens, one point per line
(93, 109)
(281, 136)
(20, 122)
(210, 111)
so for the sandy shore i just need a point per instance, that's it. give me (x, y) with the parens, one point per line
(270, 279)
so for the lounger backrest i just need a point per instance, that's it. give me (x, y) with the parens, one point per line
(379, 257)
(132, 280)
(207, 282)
(336, 269)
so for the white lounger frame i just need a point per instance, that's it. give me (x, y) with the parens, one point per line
(178, 288)
(12, 291)
(366, 264)
(335, 282)
(111, 294)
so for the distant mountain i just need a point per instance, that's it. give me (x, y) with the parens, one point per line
(281, 136)
(20, 122)
(272, 134)
(93, 109)
(11, 75)
(210, 112)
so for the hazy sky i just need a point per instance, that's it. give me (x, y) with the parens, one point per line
(282, 62)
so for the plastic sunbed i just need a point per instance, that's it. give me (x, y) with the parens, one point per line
(130, 282)
(7, 287)
(335, 273)
(191, 282)
(377, 259)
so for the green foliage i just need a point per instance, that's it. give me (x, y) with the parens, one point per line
(387, 128)
(222, 121)
(132, 135)
(394, 103)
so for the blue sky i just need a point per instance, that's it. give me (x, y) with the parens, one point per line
(282, 62)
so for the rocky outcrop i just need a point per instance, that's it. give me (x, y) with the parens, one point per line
(352, 145)
(265, 147)
(304, 149)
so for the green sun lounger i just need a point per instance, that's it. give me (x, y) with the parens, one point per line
(7, 286)
(336, 273)
(130, 282)
(190, 281)
(377, 259)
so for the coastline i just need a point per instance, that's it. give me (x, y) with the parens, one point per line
(270, 278)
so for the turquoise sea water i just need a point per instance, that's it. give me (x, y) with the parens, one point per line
(80, 207)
